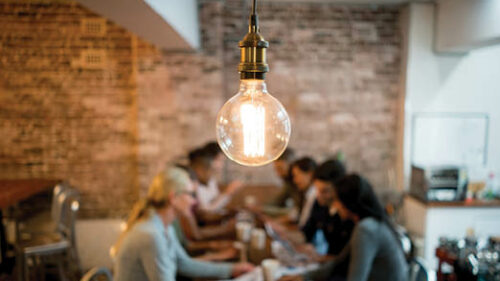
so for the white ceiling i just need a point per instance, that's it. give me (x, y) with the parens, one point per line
(149, 20)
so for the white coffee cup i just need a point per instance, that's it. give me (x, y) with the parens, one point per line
(243, 231)
(258, 240)
(270, 269)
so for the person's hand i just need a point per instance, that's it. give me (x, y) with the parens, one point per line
(310, 251)
(233, 186)
(241, 268)
(291, 278)
(307, 249)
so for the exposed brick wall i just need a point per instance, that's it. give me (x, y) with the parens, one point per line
(336, 70)
(109, 129)
(60, 119)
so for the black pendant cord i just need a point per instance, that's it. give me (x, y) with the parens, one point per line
(253, 47)
(254, 20)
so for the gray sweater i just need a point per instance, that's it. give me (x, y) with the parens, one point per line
(152, 252)
(374, 255)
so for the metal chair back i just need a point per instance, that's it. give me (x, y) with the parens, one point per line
(69, 201)
(98, 274)
(57, 201)
(418, 270)
(62, 212)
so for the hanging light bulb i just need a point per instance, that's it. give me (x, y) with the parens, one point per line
(253, 128)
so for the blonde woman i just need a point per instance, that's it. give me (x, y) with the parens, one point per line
(149, 249)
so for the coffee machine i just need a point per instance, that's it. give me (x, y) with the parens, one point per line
(439, 183)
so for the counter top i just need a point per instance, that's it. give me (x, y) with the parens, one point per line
(495, 203)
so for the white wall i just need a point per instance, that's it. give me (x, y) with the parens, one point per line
(94, 240)
(465, 24)
(445, 83)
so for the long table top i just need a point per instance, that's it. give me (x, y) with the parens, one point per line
(13, 191)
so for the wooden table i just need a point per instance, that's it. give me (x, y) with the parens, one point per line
(14, 191)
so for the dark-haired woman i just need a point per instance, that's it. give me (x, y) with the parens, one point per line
(302, 176)
(374, 251)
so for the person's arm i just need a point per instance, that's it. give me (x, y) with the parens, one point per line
(154, 257)
(280, 200)
(193, 231)
(218, 203)
(322, 273)
(223, 230)
(189, 226)
(310, 228)
(326, 269)
(210, 245)
(220, 255)
(189, 267)
(364, 244)
(222, 199)
(212, 217)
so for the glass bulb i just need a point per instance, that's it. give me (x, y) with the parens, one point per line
(253, 128)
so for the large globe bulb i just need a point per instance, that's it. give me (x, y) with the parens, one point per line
(253, 128)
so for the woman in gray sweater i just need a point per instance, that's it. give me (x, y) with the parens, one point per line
(374, 252)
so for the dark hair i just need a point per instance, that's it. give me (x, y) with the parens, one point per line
(288, 155)
(357, 195)
(193, 154)
(330, 171)
(305, 164)
(200, 156)
(212, 149)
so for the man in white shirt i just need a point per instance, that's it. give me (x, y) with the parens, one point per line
(206, 163)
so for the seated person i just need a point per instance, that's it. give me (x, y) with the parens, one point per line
(280, 206)
(203, 161)
(148, 249)
(374, 251)
(213, 150)
(302, 175)
(324, 222)
(189, 228)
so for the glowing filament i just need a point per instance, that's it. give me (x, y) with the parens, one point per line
(253, 121)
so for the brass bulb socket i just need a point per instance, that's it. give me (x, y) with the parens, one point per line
(253, 64)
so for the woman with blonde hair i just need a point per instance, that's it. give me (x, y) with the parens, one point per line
(148, 249)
